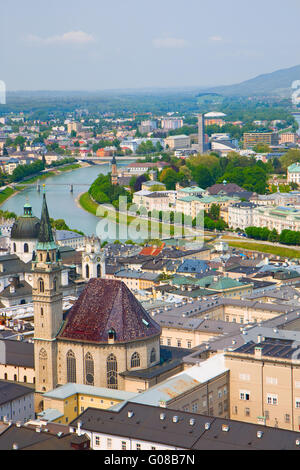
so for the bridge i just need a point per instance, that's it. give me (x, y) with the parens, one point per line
(40, 185)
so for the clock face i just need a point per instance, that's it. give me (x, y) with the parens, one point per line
(87, 259)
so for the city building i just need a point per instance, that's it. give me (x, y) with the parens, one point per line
(257, 137)
(240, 215)
(65, 403)
(214, 118)
(279, 218)
(16, 402)
(175, 142)
(293, 173)
(170, 124)
(201, 134)
(163, 429)
(265, 381)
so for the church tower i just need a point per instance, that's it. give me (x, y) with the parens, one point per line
(47, 301)
(114, 172)
(93, 262)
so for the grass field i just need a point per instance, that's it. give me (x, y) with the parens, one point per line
(72, 166)
(89, 205)
(6, 194)
(274, 250)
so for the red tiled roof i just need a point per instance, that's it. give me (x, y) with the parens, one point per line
(151, 250)
(105, 304)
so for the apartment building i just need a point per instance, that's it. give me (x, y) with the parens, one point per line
(254, 138)
(288, 137)
(171, 123)
(265, 381)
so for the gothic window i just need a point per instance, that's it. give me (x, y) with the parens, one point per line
(87, 271)
(112, 371)
(135, 360)
(26, 249)
(41, 285)
(71, 367)
(153, 355)
(98, 270)
(89, 369)
(43, 363)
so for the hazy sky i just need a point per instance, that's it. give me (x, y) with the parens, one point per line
(96, 44)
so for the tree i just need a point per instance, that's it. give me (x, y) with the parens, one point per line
(214, 211)
(291, 156)
(169, 177)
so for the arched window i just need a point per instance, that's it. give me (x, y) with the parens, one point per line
(41, 285)
(54, 284)
(98, 270)
(41, 257)
(43, 365)
(135, 360)
(26, 249)
(153, 355)
(111, 334)
(71, 367)
(5, 376)
(89, 369)
(112, 371)
(25, 379)
(14, 247)
(15, 377)
(87, 271)
(42, 312)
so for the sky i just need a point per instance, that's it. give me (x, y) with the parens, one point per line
(133, 44)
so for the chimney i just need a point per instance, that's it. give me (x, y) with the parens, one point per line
(258, 352)
(78, 432)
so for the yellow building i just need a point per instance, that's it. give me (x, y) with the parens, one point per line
(265, 383)
(65, 403)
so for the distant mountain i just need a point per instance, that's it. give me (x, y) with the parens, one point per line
(276, 83)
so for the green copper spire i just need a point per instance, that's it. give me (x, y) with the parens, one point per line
(45, 237)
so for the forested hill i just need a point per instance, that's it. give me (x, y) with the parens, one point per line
(275, 83)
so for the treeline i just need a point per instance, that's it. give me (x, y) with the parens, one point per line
(286, 237)
(60, 224)
(104, 192)
(22, 171)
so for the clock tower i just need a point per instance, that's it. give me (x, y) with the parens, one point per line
(93, 262)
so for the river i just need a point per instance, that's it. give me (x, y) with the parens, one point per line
(62, 203)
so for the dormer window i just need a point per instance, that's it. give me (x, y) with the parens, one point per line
(112, 334)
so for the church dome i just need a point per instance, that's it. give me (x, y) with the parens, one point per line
(26, 227)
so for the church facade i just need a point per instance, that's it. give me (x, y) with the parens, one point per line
(106, 332)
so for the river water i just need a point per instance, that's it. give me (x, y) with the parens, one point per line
(62, 202)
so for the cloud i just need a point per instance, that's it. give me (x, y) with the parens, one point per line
(71, 37)
(216, 38)
(169, 43)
